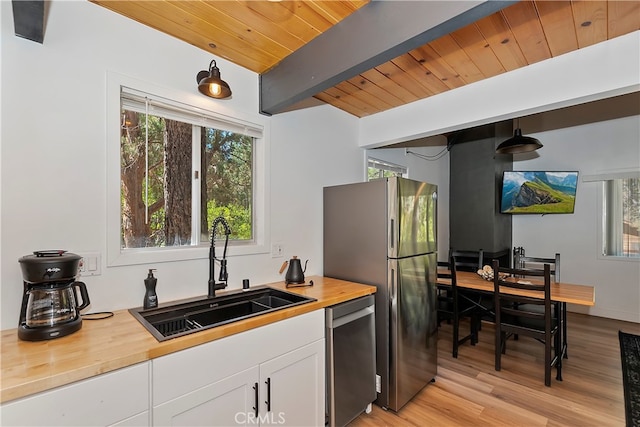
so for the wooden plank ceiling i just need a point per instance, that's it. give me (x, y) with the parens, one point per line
(258, 34)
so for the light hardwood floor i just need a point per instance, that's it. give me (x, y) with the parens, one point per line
(468, 391)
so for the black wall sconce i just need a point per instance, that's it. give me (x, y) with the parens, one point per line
(210, 83)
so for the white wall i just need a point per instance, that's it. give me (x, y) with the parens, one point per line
(590, 149)
(53, 146)
(308, 155)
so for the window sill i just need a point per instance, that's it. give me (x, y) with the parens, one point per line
(618, 258)
(185, 253)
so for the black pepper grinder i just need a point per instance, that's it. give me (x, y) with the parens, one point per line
(150, 296)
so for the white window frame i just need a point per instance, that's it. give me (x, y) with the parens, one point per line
(386, 165)
(117, 256)
(601, 179)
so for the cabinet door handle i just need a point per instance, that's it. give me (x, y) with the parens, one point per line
(268, 401)
(255, 408)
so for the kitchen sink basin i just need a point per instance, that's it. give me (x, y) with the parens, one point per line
(189, 316)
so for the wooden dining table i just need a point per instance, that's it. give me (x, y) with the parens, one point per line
(561, 293)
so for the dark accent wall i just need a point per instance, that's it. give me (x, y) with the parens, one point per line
(29, 19)
(475, 221)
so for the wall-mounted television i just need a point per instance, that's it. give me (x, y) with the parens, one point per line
(538, 192)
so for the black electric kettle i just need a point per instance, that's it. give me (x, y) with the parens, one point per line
(295, 273)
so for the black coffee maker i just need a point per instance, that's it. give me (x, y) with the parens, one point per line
(50, 307)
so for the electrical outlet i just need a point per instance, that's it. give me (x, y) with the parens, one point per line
(277, 250)
(90, 264)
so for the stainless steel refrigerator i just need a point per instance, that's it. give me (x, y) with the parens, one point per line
(383, 233)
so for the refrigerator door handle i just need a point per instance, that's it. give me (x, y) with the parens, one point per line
(392, 379)
(393, 287)
(391, 233)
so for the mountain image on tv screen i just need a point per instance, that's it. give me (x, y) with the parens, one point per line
(534, 192)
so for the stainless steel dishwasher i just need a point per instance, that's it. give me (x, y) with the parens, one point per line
(351, 359)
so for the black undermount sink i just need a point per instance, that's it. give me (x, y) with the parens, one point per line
(186, 317)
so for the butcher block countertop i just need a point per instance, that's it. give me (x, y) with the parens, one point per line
(120, 341)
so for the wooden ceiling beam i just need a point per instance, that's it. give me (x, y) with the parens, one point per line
(28, 19)
(372, 35)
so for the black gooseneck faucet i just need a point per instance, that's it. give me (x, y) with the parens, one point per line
(212, 258)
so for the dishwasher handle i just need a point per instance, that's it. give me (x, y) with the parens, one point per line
(342, 320)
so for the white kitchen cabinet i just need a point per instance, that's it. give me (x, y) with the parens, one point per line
(116, 398)
(224, 403)
(214, 383)
(293, 386)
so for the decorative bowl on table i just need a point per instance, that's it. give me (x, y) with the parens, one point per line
(486, 273)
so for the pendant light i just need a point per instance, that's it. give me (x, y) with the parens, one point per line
(518, 143)
(210, 83)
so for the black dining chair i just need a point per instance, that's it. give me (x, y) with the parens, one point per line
(513, 317)
(444, 291)
(473, 261)
(468, 260)
(523, 262)
(452, 307)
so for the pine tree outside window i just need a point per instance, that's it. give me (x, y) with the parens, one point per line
(381, 169)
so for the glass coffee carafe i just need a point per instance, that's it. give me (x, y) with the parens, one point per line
(53, 304)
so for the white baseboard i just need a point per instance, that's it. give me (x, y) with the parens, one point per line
(626, 316)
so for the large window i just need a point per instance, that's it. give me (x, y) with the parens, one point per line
(180, 166)
(178, 176)
(621, 217)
